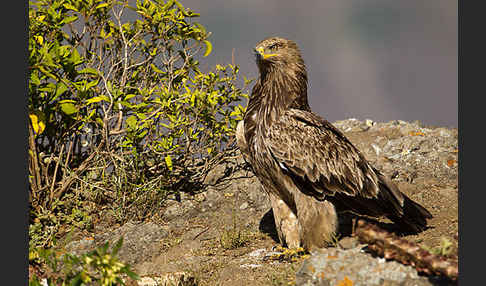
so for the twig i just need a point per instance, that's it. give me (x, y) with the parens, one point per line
(35, 160)
(67, 182)
(390, 246)
(203, 231)
(70, 150)
(51, 191)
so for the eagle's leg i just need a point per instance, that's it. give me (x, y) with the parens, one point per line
(285, 221)
(318, 221)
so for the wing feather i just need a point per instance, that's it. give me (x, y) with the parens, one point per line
(318, 155)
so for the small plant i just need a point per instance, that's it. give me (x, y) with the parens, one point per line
(335, 237)
(99, 267)
(444, 248)
(234, 238)
(281, 277)
(170, 241)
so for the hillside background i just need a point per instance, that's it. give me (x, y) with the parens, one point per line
(377, 59)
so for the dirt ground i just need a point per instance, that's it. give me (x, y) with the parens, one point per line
(224, 235)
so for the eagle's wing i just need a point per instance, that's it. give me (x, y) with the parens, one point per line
(324, 163)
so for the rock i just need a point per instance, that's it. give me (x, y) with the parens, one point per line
(257, 253)
(215, 174)
(140, 241)
(377, 149)
(334, 266)
(169, 279)
(175, 209)
(348, 242)
(354, 125)
(250, 265)
(81, 246)
(244, 206)
(408, 148)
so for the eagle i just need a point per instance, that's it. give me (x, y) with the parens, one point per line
(307, 166)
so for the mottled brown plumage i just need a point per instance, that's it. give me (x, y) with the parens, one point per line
(305, 164)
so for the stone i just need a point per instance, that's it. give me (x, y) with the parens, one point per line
(334, 266)
(169, 279)
(243, 206)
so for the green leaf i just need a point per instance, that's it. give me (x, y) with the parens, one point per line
(76, 281)
(157, 70)
(131, 121)
(68, 20)
(153, 51)
(132, 274)
(99, 121)
(88, 71)
(91, 84)
(129, 96)
(91, 114)
(97, 99)
(117, 247)
(102, 5)
(168, 162)
(103, 249)
(47, 73)
(209, 48)
(70, 7)
(61, 88)
(68, 108)
(75, 58)
(66, 101)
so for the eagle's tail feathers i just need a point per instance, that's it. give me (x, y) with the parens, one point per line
(414, 218)
(407, 214)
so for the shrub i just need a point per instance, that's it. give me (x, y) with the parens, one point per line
(98, 267)
(120, 112)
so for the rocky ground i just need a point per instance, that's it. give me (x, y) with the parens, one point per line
(225, 235)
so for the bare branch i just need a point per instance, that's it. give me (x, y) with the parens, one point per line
(51, 192)
(391, 246)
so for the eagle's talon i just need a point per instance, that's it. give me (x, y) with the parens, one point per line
(287, 254)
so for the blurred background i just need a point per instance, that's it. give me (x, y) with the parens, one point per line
(376, 59)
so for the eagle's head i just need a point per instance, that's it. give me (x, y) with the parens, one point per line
(275, 52)
(283, 76)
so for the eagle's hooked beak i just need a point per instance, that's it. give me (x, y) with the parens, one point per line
(260, 54)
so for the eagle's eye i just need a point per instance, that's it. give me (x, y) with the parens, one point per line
(274, 46)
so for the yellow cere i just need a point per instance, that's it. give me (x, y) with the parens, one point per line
(261, 51)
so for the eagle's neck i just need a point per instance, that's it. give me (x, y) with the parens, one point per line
(280, 87)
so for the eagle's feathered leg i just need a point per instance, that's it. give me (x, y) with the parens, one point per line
(318, 221)
(286, 222)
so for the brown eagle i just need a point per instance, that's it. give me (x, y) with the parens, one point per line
(307, 166)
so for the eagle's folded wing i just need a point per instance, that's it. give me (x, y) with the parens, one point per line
(322, 160)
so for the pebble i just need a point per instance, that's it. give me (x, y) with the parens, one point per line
(257, 253)
(250, 265)
(244, 206)
(377, 149)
